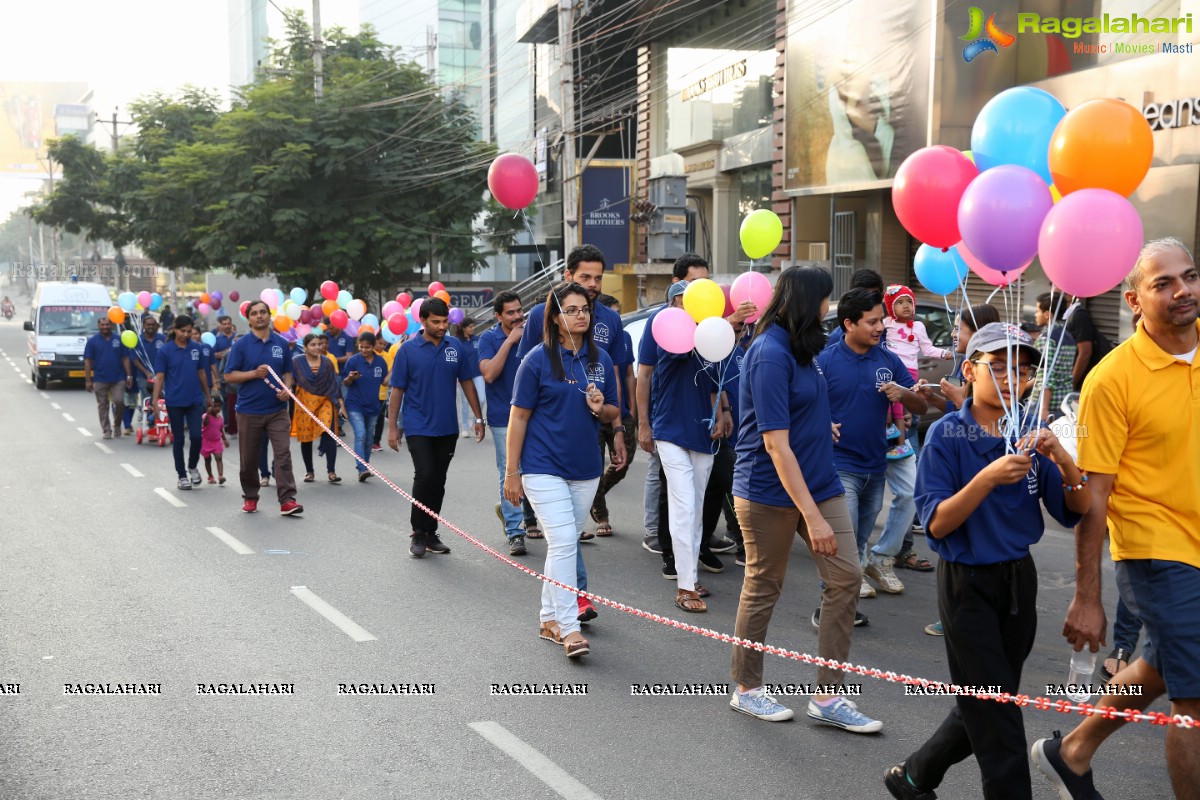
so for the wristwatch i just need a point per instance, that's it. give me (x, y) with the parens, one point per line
(479, 422)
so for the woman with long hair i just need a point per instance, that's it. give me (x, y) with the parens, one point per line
(565, 389)
(785, 484)
(318, 390)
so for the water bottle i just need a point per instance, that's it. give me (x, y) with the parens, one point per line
(1083, 665)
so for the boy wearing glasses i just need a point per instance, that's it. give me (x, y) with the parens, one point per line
(980, 488)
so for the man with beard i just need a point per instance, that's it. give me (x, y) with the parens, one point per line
(1140, 409)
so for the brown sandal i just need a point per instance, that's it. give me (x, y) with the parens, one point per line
(914, 562)
(533, 532)
(690, 602)
(702, 591)
(575, 648)
(333, 478)
(308, 477)
(603, 529)
(550, 632)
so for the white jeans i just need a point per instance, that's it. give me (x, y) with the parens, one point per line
(562, 507)
(687, 474)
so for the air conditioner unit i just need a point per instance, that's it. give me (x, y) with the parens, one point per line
(818, 251)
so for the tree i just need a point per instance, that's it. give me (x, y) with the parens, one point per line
(380, 176)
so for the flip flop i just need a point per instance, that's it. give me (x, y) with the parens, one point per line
(1121, 656)
(533, 532)
(915, 562)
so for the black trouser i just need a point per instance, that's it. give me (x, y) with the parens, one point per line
(720, 484)
(664, 521)
(990, 620)
(431, 461)
(327, 447)
(380, 419)
(612, 476)
(193, 416)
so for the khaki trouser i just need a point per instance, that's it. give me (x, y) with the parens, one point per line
(768, 532)
(109, 394)
(277, 427)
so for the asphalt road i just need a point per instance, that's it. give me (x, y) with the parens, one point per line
(103, 580)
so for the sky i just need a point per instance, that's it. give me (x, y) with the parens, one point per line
(127, 49)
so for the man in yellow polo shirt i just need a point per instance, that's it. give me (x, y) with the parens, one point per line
(1139, 440)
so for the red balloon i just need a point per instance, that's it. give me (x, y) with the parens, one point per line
(234, 296)
(513, 180)
(215, 303)
(397, 324)
(242, 308)
(339, 319)
(404, 299)
(928, 187)
(435, 287)
(729, 309)
(329, 290)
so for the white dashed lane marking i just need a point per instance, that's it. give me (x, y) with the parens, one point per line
(170, 498)
(343, 623)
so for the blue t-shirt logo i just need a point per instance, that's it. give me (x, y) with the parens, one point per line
(601, 334)
(1031, 478)
(116, 343)
(595, 374)
(882, 376)
(379, 372)
(195, 355)
(451, 355)
(276, 351)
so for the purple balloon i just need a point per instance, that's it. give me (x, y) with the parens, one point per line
(352, 327)
(290, 334)
(456, 316)
(1000, 216)
(216, 296)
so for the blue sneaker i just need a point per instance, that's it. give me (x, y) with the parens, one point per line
(893, 434)
(844, 714)
(757, 703)
(900, 451)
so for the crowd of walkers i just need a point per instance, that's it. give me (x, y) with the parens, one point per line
(795, 433)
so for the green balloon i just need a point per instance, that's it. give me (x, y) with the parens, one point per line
(129, 339)
(761, 232)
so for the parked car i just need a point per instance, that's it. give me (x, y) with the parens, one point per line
(938, 323)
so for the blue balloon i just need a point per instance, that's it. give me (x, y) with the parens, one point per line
(372, 320)
(127, 301)
(344, 298)
(298, 296)
(388, 336)
(413, 325)
(940, 273)
(1015, 127)
(156, 301)
(208, 338)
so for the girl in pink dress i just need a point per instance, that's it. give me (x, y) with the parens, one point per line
(213, 441)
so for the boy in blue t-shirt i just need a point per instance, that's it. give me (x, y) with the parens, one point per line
(981, 486)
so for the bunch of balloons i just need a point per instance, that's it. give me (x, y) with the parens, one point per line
(1038, 181)
(701, 324)
(130, 303)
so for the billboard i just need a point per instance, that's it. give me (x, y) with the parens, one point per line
(29, 123)
(857, 92)
(605, 205)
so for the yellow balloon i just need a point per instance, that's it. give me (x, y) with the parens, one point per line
(761, 232)
(970, 156)
(703, 299)
(1055, 194)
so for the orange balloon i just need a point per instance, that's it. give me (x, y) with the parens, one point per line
(116, 315)
(1101, 144)
(282, 322)
(366, 328)
(443, 295)
(205, 298)
(329, 306)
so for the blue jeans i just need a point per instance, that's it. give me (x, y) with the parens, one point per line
(363, 426)
(466, 416)
(902, 480)
(563, 507)
(864, 499)
(192, 416)
(512, 514)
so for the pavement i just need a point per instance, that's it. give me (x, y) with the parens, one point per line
(110, 575)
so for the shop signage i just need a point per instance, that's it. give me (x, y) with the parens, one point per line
(719, 78)
(700, 166)
(1173, 113)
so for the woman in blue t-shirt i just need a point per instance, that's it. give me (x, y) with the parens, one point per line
(564, 389)
(785, 484)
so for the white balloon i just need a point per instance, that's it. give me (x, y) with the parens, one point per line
(356, 309)
(293, 311)
(715, 339)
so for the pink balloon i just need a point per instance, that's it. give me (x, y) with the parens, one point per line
(1090, 241)
(204, 308)
(435, 287)
(234, 296)
(302, 330)
(992, 276)
(392, 307)
(752, 286)
(513, 180)
(329, 290)
(1001, 214)
(269, 297)
(928, 187)
(215, 303)
(143, 299)
(729, 307)
(674, 330)
(415, 308)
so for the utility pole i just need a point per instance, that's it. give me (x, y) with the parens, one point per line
(318, 53)
(430, 50)
(570, 180)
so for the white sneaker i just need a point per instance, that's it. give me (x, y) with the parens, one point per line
(866, 590)
(881, 570)
(466, 435)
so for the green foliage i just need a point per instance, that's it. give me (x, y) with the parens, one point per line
(378, 177)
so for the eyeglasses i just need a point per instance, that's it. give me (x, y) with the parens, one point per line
(1001, 371)
(573, 312)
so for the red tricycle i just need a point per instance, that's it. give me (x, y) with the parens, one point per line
(156, 424)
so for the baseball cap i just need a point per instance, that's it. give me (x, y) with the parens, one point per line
(676, 289)
(999, 337)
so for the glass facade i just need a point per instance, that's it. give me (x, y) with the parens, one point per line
(460, 52)
(712, 95)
